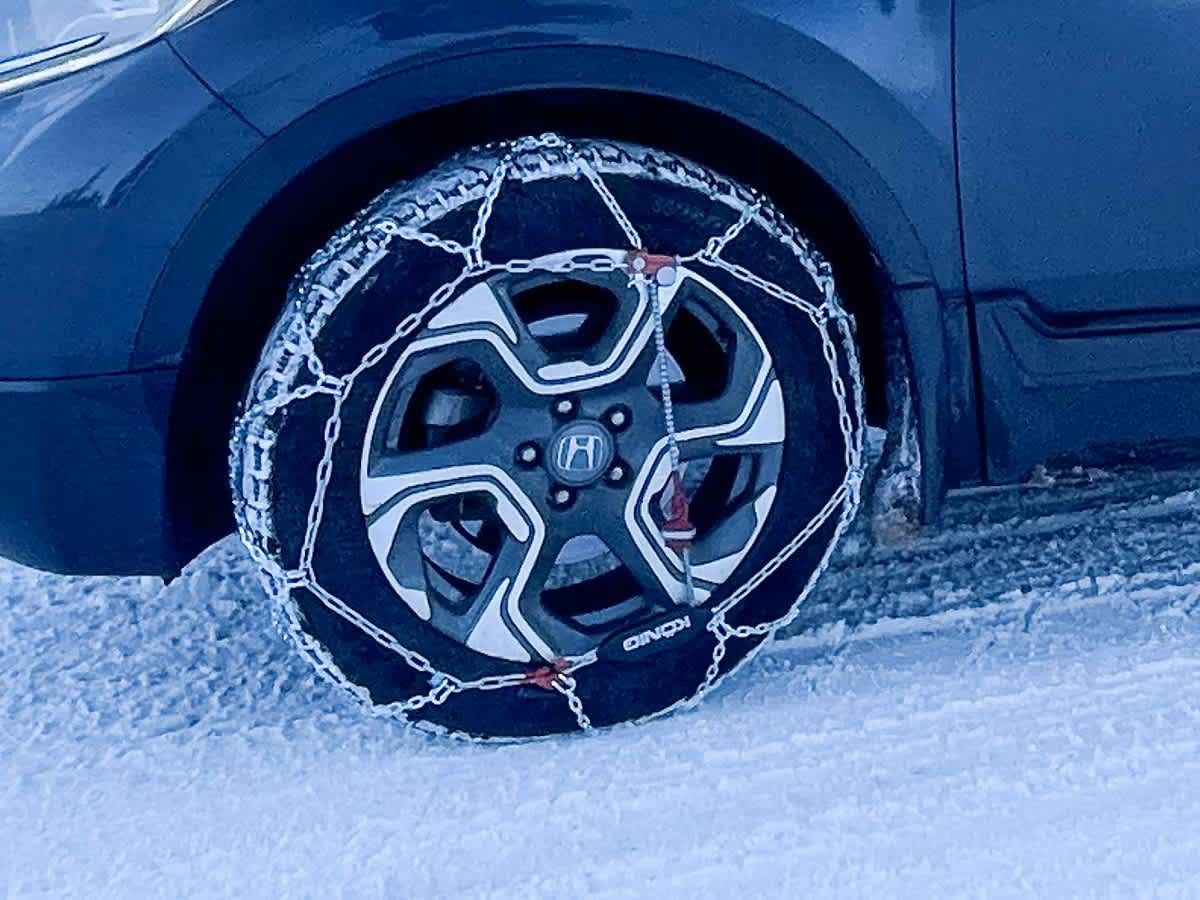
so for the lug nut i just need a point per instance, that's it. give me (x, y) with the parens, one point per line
(527, 454)
(561, 497)
(616, 474)
(618, 418)
(564, 406)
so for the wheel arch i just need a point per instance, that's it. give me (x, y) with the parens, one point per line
(226, 282)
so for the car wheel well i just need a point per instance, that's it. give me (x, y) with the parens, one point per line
(250, 287)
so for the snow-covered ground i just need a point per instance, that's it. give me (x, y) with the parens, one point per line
(1011, 707)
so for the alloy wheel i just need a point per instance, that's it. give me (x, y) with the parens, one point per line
(515, 478)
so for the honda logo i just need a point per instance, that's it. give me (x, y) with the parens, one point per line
(581, 453)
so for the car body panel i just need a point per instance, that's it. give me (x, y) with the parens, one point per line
(81, 473)
(877, 74)
(1079, 130)
(91, 205)
(100, 174)
(1111, 389)
(1079, 148)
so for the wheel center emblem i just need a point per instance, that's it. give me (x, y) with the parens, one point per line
(580, 453)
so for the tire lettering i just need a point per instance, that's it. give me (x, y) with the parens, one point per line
(662, 632)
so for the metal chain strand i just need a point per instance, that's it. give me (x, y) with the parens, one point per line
(566, 685)
(408, 233)
(333, 273)
(479, 231)
(627, 227)
(816, 313)
(651, 286)
(715, 245)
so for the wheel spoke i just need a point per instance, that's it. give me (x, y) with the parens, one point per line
(623, 349)
(493, 622)
(748, 410)
(755, 428)
(650, 563)
(483, 326)
(720, 550)
(486, 624)
(757, 422)
(529, 600)
(391, 474)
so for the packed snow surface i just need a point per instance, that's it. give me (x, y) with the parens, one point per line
(1010, 707)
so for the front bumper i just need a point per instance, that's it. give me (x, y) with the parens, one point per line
(82, 473)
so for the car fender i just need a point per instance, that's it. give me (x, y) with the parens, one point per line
(860, 92)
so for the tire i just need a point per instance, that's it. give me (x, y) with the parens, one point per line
(444, 406)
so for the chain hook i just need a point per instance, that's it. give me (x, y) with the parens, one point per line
(546, 676)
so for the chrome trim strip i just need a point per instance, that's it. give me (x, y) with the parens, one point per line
(37, 57)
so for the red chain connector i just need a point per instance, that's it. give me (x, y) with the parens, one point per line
(678, 531)
(545, 676)
(642, 262)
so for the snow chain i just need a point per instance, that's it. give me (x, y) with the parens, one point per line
(291, 371)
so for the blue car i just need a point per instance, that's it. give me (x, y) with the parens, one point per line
(533, 347)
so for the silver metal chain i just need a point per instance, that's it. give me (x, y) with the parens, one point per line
(651, 287)
(328, 278)
(650, 284)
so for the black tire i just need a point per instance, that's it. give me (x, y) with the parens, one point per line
(352, 297)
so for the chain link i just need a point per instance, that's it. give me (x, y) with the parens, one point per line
(566, 685)
(817, 313)
(650, 286)
(712, 250)
(333, 273)
(406, 232)
(585, 166)
(479, 231)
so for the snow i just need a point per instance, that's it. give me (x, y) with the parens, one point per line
(1009, 707)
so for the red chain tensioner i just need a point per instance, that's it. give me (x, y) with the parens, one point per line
(642, 262)
(678, 530)
(545, 676)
